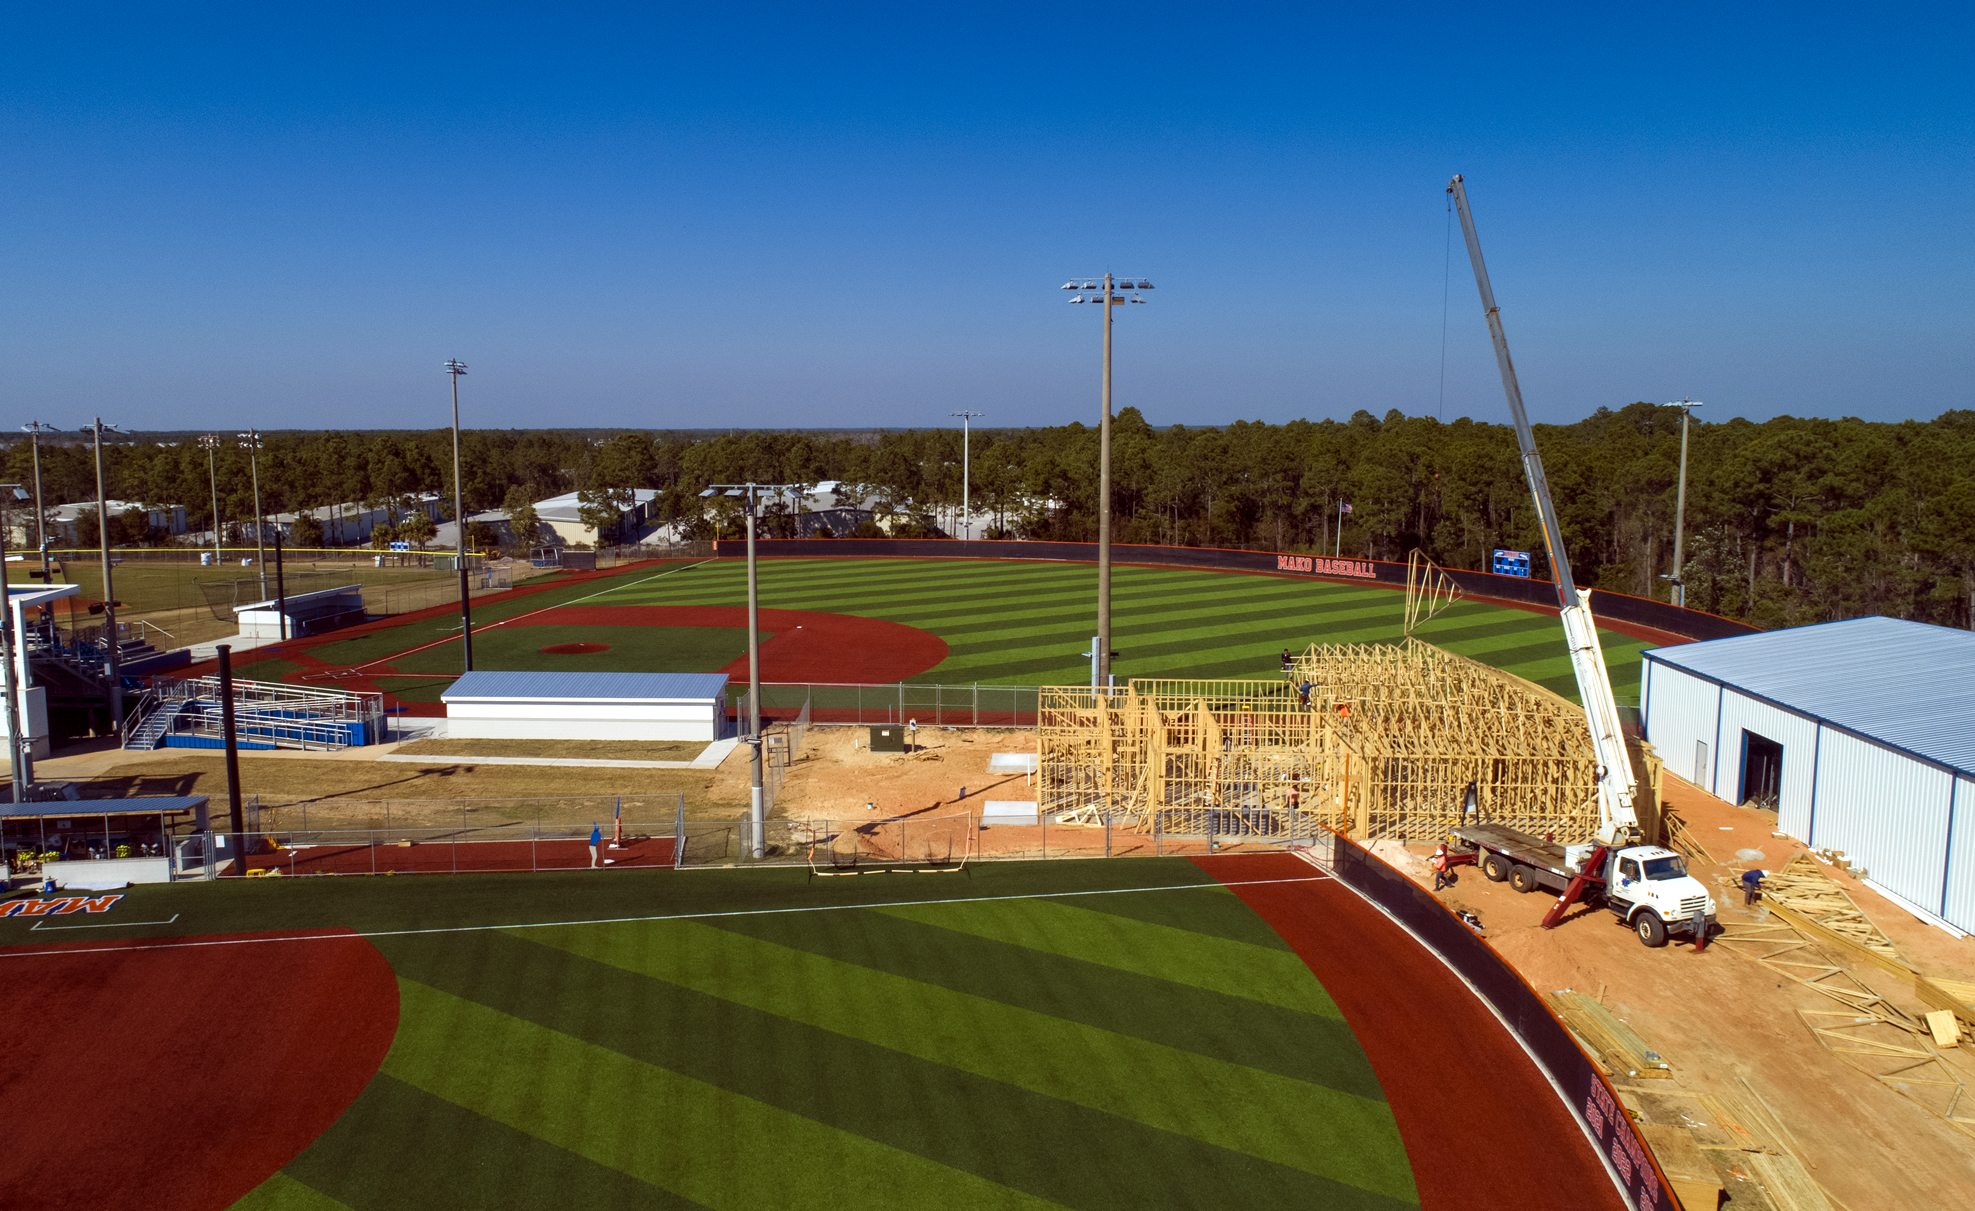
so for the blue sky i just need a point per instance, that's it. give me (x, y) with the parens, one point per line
(798, 215)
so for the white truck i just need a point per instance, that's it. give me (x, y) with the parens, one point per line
(1647, 886)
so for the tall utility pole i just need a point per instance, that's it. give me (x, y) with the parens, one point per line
(20, 755)
(750, 495)
(210, 443)
(35, 429)
(456, 367)
(252, 444)
(1686, 407)
(113, 654)
(966, 474)
(1110, 292)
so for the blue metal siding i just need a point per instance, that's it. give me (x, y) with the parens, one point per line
(1908, 684)
(1885, 811)
(628, 687)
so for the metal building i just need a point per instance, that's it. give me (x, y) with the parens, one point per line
(1860, 733)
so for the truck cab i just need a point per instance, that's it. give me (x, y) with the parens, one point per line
(1648, 887)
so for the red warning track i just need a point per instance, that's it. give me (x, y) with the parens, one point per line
(1483, 1128)
(172, 1079)
(807, 646)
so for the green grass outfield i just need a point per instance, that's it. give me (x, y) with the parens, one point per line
(1029, 1035)
(1026, 623)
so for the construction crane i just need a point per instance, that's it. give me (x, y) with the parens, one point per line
(1646, 886)
(1618, 822)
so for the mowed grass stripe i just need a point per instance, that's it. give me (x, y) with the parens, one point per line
(1163, 952)
(715, 1147)
(1252, 1034)
(1212, 910)
(402, 1148)
(1348, 1138)
(283, 1193)
(1049, 1148)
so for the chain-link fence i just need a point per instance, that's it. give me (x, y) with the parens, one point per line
(975, 705)
(1005, 832)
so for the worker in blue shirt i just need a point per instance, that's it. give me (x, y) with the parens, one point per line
(596, 841)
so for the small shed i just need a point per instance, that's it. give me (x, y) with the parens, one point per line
(587, 706)
(1860, 734)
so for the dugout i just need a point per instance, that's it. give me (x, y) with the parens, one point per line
(107, 842)
(308, 613)
(587, 706)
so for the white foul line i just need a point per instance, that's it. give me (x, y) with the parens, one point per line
(677, 916)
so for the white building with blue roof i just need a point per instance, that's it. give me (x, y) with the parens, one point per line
(587, 706)
(1861, 734)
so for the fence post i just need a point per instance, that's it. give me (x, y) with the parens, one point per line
(1158, 832)
(977, 704)
(1107, 834)
(373, 851)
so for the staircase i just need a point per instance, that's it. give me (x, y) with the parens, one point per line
(151, 732)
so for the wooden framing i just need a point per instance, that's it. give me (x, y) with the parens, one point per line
(1373, 740)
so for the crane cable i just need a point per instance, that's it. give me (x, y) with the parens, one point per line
(1446, 280)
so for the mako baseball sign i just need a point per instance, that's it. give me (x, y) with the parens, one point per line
(1316, 565)
(58, 907)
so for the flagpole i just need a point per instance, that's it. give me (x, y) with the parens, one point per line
(1337, 554)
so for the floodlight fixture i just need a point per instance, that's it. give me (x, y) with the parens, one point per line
(455, 367)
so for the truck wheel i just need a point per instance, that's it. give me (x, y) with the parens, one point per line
(1649, 927)
(1523, 879)
(1496, 867)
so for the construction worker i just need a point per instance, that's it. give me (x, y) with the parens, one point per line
(1752, 885)
(1442, 877)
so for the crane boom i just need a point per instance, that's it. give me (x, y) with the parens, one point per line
(1617, 819)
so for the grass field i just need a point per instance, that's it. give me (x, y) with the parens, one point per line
(1010, 623)
(1035, 1035)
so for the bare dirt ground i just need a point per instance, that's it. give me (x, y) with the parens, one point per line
(1721, 1020)
(609, 750)
(837, 775)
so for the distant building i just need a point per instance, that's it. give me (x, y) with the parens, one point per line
(64, 521)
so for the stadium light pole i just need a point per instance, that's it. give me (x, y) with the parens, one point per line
(1110, 292)
(966, 473)
(750, 495)
(1686, 407)
(455, 368)
(34, 430)
(252, 444)
(210, 443)
(113, 655)
(20, 752)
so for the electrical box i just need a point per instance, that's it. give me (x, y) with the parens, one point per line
(889, 738)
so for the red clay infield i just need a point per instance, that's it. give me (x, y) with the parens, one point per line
(1483, 1128)
(575, 649)
(176, 1077)
(807, 646)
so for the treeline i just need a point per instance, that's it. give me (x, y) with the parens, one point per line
(1789, 521)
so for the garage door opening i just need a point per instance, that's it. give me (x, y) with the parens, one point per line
(1762, 770)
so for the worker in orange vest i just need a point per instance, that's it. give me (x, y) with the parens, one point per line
(1442, 877)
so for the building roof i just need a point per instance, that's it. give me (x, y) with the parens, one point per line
(1908, 684)
(63, 809)
(587, 687)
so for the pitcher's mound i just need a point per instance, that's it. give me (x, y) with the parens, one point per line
(575, 649)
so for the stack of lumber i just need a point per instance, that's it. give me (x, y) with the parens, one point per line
(1802, 887)
(1608, 1040)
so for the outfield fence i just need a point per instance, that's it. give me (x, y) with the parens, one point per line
(1522, 1009)
(971, 705)
(516, 847)
(950, 841)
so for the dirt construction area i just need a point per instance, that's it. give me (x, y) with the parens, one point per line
(1745, 1068)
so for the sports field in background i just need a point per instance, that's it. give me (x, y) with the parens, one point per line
(998, 622)
(1089, 1034)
